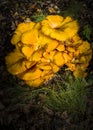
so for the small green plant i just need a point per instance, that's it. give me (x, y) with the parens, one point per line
(87, 31)
(71, 99)
(38, 17)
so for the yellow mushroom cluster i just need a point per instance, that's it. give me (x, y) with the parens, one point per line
(42, 48)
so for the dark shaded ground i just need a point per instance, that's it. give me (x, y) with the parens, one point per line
(32, 115)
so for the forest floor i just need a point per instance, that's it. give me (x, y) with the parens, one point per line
(18, 110)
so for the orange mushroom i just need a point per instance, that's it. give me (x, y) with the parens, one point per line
(42, 48)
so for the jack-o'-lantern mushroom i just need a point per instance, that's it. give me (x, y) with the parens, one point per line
(42, 48)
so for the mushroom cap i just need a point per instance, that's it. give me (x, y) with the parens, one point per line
(27, 51)
(52, 45)
(20, 67)
(32, 74)
(25, 26)
(13, 57)
(59, 59)
(84, 47)
(43, 40)
(61, 32)
(79, 72)
(60, 47)
(21, 28)
(44, 66)
(71, 66)
(16, 37)
(54, 21)
(30, 37)
(37, 55)
(49, 55)
(36, 83)
(55, 68)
